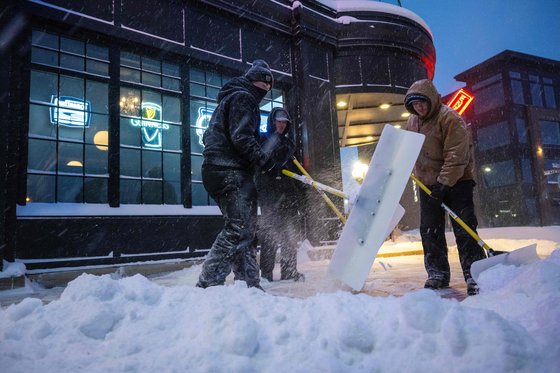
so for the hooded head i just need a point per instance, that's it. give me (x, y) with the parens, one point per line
(279, 114)
(423, 90)
(260, 72)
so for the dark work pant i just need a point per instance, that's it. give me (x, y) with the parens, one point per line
(278, 229)
(235, 247)
(432, 230)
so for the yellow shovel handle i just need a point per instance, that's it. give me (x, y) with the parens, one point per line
(455, 217)
(322, 193)
(304, 179)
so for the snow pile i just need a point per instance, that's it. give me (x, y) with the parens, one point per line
(104, 324)
(529, 295)
(11, 269)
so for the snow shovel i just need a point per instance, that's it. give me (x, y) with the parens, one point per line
(524, 255)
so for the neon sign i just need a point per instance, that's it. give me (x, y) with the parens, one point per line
(264, 121)
(151, 125)
(70, 111)
(460, 101)
(203, 119)
(202, 122)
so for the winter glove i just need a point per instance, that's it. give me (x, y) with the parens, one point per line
(438, 193)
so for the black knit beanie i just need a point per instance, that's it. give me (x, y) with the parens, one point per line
(260, 72)
(409, 99)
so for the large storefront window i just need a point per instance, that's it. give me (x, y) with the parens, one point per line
(542, 91)
(493, 136)
(204, 88)
(489, 94)
(526, 171)
(552, 171)
(522, 132)
(498, 174)
(150, 131)
(550, 132)
(536, 90)
(68, 121)
(516, 88)
(549, 96)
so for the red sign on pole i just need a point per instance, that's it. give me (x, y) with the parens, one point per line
(460, 101)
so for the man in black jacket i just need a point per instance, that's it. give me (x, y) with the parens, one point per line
(232, 155)
(278, 199)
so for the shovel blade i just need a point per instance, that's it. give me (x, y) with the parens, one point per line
(524, 255)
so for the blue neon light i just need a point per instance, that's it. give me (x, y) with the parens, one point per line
(203, 119)
(70, 111)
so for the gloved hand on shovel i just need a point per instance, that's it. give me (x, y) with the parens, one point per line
(439, 191)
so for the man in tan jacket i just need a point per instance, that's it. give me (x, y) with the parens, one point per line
(445, 166)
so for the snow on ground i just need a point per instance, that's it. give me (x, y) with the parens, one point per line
(114, 324)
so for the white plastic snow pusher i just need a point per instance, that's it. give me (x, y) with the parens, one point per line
(524, 255)
(376, 204)
(377, 210)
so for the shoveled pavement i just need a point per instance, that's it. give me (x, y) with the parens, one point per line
(398, 269)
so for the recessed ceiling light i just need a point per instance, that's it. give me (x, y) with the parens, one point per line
(397, 126)
(405, 115)
(385, 106)
(342, 104)
(369, 138)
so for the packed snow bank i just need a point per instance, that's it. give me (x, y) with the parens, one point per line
(103, 324)
(11, 269)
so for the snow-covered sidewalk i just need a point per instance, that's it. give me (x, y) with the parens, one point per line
(112, 324)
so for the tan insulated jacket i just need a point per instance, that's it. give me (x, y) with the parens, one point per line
(446, 154)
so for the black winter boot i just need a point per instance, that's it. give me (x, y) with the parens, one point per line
(436, 283)
(472, 287)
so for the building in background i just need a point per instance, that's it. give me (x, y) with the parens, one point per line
(515, 122)
(105, 104)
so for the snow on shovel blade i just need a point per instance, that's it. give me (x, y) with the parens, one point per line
(524, 255)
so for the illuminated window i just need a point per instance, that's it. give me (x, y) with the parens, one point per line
(150, 131)
(68, 121)
(204, 89)
(552, 170)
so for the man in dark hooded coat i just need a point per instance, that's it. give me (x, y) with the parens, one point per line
(232, 155)
(444, 165)
(278, 199)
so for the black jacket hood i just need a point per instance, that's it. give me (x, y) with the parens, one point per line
(271, 127)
